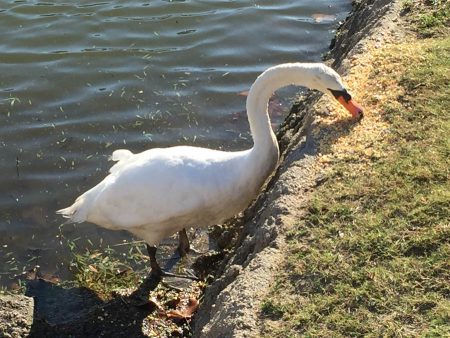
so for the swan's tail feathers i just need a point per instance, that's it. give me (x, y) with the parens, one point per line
(76, 213)
(121, 154)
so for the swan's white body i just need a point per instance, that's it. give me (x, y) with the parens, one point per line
(158, 192)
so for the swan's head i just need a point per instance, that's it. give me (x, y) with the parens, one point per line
(326, 80)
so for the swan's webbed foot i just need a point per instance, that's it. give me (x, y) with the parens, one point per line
(175, 275)
(156, 269)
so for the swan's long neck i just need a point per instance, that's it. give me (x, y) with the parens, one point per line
(266, 84)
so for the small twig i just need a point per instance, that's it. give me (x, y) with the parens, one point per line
(123, 300)
(129, 243)
(17, 165)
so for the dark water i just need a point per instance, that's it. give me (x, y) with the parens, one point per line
(79, 79)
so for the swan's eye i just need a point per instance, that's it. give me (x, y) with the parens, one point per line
(341, 93)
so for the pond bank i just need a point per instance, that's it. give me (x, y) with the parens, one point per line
(232, 304)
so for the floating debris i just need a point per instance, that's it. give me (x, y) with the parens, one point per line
(325, 18)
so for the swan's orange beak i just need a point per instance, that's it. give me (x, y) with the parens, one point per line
(346, 100)
(353, 107)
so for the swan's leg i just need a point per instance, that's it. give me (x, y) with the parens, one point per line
(183, 245)
(156, 269)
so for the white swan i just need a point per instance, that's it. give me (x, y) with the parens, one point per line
(160, 191)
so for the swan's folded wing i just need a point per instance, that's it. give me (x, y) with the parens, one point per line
(159, 187)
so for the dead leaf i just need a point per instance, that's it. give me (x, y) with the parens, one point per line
(92, 268)
(192, 306)
(176, 314)
(32, 274)
(95, 254)
(49, 278)
(186, 313)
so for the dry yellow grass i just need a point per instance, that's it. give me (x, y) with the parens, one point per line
(361, 142)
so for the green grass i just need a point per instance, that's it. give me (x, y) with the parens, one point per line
(430, 17)
(371, 257)
(106, 271)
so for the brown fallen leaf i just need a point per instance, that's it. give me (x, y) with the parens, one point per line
(35, 273)
(176, 314)
(32, 274)
(186, 313)
(49, 277)
(192, 305)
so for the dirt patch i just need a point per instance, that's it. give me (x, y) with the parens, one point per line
(16, 316)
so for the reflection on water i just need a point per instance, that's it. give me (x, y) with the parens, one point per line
(81, 79)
